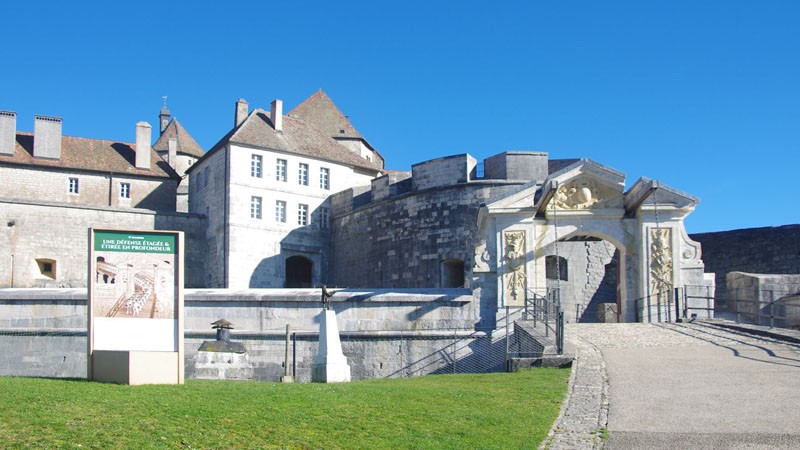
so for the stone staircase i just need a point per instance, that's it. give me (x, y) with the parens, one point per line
(533, 346)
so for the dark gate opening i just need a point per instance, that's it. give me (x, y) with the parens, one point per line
(298, 272)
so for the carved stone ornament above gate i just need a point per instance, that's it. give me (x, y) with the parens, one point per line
(586, 194)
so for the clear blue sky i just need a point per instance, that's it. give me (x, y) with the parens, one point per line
(701, 95)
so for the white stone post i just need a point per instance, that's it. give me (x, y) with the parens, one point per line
(330, 365)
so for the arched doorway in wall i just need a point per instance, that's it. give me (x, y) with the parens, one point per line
(451, 273)
(298, 272)
(586, 270)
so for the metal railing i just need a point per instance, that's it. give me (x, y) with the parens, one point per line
(545, 309)
(656, 307)
(696, 299)
(773, 308)
(675, 305)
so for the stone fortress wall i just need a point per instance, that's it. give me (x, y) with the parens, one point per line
(767, 250)
(399, 233)
(419, 229)
(59, 233)
(385, 333)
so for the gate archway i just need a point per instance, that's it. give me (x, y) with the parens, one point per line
(586, 201)
(299, 271)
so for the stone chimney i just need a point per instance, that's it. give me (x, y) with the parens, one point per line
(8, 132)
(276, 113)
(47, 137)
(143, 137)
(241, 112)
(172, 152)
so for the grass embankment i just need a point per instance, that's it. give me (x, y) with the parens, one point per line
(504, 410)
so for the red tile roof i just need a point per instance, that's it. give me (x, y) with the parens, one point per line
(297, 136)
(89, 154)
(186, 143)
(320, 110)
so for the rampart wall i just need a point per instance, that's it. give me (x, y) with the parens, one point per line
(384, 333)
(59, 232)
(770, 300)
(401, 242)
(767, 250)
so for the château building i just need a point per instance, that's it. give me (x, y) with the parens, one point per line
(302, 199)
(265, 189)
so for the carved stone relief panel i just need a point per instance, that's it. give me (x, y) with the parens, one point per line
(661, 264)
(586, 194)
(515, 277)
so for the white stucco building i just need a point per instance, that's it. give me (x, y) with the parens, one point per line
(265, 188)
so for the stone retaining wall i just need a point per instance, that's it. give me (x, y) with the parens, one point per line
(60, 233)
(384, 333)
(774, 250)
(765, 299)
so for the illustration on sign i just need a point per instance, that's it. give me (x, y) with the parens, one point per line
(134, 275)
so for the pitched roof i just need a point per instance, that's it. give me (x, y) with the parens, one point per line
(296, 136)
(186, 143)
(320, 110)
(90, 154)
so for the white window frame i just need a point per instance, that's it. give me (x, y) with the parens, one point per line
(280, 211)
(281, 167)
(302, 214)
(302, 174)
(325, 178)
(74, 185)
(255, 207)
(256, 166)
(125, 190)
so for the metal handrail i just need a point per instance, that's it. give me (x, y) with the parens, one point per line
(770, 309)
(546, 309)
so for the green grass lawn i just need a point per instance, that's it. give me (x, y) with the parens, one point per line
(503, 411)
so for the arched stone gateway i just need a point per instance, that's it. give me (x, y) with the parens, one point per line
(298, 272)
(647, 252)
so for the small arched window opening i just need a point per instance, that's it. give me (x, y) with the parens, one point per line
(452, 273)
(556, 268)
(298, 272)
